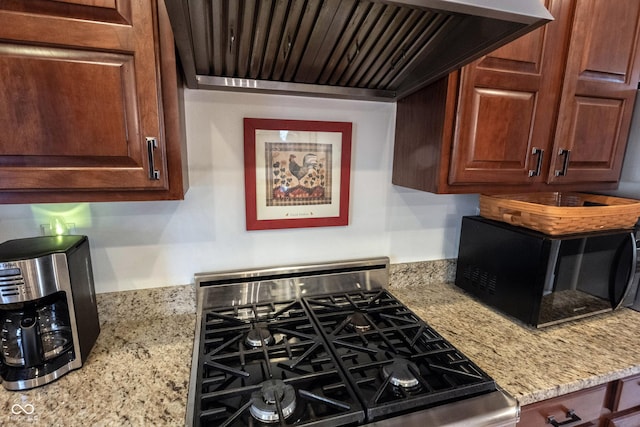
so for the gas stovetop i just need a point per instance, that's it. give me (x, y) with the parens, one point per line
(327, 345)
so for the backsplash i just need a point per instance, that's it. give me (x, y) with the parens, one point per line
(423, 272)
(181, 300)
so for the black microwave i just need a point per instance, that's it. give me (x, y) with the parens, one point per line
(544, 280)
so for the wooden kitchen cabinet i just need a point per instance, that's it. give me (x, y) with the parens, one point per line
(625, 404)
(627, 393)
(549, 111)
(614, 404)
(626, 419)
(581, 408)
(90, 108)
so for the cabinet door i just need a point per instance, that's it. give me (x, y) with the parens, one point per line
(582, 408)
(79, 96)
(599, 91)
(627, 393)
(508, 102)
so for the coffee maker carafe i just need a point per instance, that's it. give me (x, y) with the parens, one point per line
(48, 314)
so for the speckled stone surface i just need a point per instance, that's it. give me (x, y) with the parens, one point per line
(138, 372)
(530, 364)
(136, 375)
(422, 273)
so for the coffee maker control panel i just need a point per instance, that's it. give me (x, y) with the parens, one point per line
(11, 284)
(31, 279)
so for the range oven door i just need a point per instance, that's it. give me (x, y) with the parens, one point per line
(588, 275)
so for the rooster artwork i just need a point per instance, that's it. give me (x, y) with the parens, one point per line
(299, 174)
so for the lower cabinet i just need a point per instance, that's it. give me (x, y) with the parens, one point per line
(625, 404)
(615, 404)
(626, 393)
(624, 419)
(582, 408)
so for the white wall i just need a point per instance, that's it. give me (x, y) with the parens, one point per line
(629, 185)
(149, 244)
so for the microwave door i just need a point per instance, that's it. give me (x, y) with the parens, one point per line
(586, 276)
(625, 273)
(550, 276)
(574, 281)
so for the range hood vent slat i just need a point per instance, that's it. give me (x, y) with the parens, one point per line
(300, 40)
(339, 52)
(324, 29)
(219, 30)
(273, 39)
(244, 43)
(389, 54)
(367, 46)
(367, 49)
(288, 39)
(354, 43)
(417, 39)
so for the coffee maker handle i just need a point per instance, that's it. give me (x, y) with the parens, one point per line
(30, 342)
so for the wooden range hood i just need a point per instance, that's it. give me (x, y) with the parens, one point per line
(357, 49)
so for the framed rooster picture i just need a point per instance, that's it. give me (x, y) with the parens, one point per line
(296, 173)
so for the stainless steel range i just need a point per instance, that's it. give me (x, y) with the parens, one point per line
(328, 345)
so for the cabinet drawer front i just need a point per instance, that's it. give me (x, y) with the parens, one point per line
(585, 404)
(628, 393)
(631, 419)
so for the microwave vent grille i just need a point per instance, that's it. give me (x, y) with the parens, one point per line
(480, 279)
(11, 285)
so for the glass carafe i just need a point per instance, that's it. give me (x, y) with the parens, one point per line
(10, 337)
(35, 333)
(55, 329)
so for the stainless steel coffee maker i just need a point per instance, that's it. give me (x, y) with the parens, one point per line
(48, 314)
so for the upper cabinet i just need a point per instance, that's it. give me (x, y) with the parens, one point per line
(89, 105)
(549, 111)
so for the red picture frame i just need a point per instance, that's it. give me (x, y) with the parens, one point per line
(297, 173)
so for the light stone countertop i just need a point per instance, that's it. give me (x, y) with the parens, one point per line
(138, 372)
(532, 365)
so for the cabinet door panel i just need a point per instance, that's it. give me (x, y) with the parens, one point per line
(98, 3)
(600, 61)
(115, 11)
(79, 117)
(631, 419)
(628, 394)
(599, 91)
(508, 101)
(522, 55)
(48, 106)
(501, 133)
(596, 124)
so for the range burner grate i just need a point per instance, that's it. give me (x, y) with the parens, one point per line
(399, 363)
(291, 378)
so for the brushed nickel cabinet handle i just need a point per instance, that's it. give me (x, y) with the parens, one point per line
(565, 162)
(537, 152)
(152, 144)
(571, 418)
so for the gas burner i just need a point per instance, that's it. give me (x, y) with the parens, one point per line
(358, 322)
(402, 372)
(258, 335)
(263, 403)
